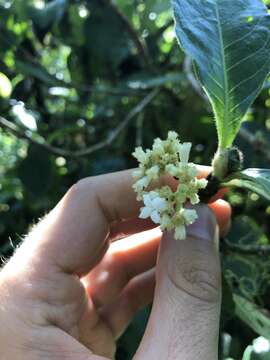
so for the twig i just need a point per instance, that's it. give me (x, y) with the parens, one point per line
(80, 153)
(258, 144)
(247, 249)
(23, 135)
(94, 89)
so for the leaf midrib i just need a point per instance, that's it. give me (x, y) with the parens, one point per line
(222, 134)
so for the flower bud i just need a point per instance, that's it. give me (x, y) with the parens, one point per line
(226, 162)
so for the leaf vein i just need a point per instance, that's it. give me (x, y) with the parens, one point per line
(251, 55)
(249, 78)
(244, 36)
(226, 87)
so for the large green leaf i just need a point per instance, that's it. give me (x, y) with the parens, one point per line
(256, 180)
(229, 42)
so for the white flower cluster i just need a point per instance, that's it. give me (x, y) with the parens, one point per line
(163, 205)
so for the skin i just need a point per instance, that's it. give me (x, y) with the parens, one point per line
(70, 290)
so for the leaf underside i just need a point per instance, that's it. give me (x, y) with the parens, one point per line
(256, 180)
(229, 42)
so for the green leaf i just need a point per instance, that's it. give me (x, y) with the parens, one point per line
(253, 316)
(229, 42)
(256, 180)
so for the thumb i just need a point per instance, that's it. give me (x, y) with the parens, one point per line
(184, 322)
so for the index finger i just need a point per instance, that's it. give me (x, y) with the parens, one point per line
(75, 234)
(116, 196)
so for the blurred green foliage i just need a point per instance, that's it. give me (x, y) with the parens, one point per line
(70, 73)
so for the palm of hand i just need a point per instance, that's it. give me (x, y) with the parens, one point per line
(68, 294)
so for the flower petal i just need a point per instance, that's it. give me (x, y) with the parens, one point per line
(194, 199)
(172, 135)
(140, 155)
(190, 216)
(165, 221)
(202, 183)
(155, 217)
(153, 172)
(184, 151)
(145, 212)
(159, 204)
(192, 170)
(147, 200)
(137, 174)
(153, 195)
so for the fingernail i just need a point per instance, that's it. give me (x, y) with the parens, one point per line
(205, 226)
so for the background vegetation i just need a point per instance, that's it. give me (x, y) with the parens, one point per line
(81, 84)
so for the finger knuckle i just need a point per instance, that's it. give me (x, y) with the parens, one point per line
(80, 186)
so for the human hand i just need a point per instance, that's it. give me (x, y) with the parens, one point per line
(69, 292)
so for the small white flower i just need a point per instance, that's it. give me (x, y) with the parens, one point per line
(153, 200)
(147, 212)
(160, 204)
(180, 232)
(153, 172)
(158, 147)
(184, 151)
(202, 183)
(172, 135)
(140, 155)
(154, 206)
(194, 198)
(165, 222)
(138, 173)
(192, 170)
(171, 169)
(190, 216)
(141, 184)
(155, 217)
